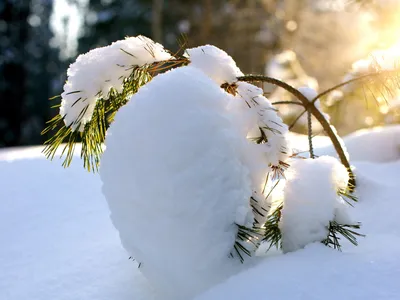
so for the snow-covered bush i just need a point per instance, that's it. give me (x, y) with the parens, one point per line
(193, 159)
(95, 73)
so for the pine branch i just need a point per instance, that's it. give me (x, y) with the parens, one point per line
(93, 134)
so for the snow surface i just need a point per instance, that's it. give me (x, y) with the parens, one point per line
(57, 241)
(92, 75)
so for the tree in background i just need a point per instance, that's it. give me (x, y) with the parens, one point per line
(249, 30)
(14, 29)
(30, 69)
(260, 27)
(44, 72)
(107, 21)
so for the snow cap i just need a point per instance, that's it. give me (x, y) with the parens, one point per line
(94, 73)
(215, 63)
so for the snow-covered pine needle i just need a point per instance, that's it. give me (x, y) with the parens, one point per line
(246, 238)
(93, 133)
(270, 132)
(99, 83)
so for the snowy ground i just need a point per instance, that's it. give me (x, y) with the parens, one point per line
(57, 241)
(56, 238)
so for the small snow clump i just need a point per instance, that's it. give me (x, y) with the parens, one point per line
(311, 201)
(311, 94)
(215, 63)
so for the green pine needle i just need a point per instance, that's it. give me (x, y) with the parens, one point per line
(247, 236)
(272, 233)
(348, 196)
(345, 230)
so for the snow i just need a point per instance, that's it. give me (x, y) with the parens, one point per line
(311, 94)
(92, 75)
(278, 66)
(361, 66)
(57, 241)
(308, 92)
(171, 217)
(215, 63)
(311, 200)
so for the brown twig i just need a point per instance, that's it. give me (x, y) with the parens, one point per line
(287, 102)
(309, 105)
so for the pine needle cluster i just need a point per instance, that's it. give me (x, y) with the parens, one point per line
(93, 134)
(336, 231)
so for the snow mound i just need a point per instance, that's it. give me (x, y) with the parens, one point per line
(311, 200)
(163, 148)
(92, 75)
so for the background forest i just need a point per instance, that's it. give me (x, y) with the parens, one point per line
(305, 42)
